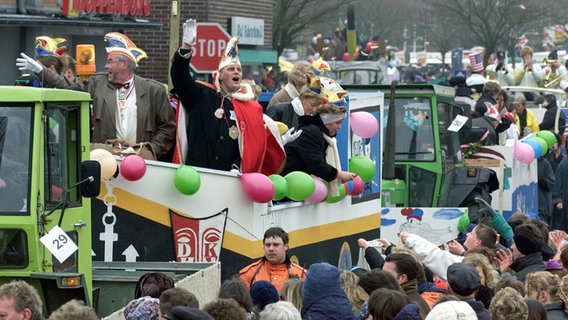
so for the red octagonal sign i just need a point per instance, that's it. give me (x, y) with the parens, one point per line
(209, 47)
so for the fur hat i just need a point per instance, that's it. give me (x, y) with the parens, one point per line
(528, 239)
(47, 46)
(231, 55)
(263, 293)
(452, 310)
(122, 45)
(144, 308)
(463, 279)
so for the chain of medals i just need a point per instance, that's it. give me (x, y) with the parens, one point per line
(220, 113)
(123, 95)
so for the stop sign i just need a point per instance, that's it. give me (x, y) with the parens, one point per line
(209, 47)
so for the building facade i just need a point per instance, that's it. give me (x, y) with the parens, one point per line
(153, 25)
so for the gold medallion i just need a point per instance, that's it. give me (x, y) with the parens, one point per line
(233, 132)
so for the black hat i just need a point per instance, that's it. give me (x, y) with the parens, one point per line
(263, 293)
(189, 313)
(528, 239)
(500, 55)
(553, 55)
(457, 81)
(463, 279)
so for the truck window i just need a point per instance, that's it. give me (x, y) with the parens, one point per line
(414, 132)
(13, 249)
(62, 153)
(15, 136)
(449, 141)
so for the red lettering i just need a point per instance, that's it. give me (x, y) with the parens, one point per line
(75, 5)
(146, 7)
(104, 4)
(209, 253)
(125, 7)
(97, 4)
(89, 6)
(132, 8)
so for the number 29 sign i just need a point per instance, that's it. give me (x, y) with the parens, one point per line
(59, 244)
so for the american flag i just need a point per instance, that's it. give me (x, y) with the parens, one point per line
(476, 61)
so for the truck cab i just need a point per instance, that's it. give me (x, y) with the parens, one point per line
(427, 162)
(44, 174)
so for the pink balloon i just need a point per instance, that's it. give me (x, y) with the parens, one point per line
(364, 124)
(523, 152)
(133, 167)
(258, 187)
(358, 186)
(320, 193)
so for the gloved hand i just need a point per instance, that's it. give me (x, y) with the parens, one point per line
(484, 205)
(27, 63)
(190, 32)
(290, 136)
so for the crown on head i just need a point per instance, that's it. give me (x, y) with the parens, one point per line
(231, 55)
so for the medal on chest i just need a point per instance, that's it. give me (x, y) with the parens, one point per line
(233, 132)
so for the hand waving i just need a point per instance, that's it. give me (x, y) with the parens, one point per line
(27, 63)
(190, 32)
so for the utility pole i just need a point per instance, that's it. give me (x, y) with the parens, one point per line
(174, 35)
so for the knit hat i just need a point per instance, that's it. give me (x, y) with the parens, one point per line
(463, 279)
(144, 308)
(476, 61)
(452, 310)
(553, 265)
(500, 55)
(492, 113)
(263, 293)
(457, 81)
(528, 239)
(231, 55)
(122, 45)
(189, 313)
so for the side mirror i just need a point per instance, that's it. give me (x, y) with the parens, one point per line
(91, 173)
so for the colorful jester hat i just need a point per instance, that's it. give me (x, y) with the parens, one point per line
(319, 66)
(122, 45)
(47, 46)
(336, 98)
(313, 82)
(231, 55)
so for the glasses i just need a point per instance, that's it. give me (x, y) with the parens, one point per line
(110, 61)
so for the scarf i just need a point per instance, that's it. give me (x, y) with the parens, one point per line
(332, 158)
(298, 107)
(292, 91)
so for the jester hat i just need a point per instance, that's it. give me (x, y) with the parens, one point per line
(47, 46)
(336, 98)
(122, 45)
(319, 66)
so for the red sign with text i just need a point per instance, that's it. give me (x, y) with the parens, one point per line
(210, 45)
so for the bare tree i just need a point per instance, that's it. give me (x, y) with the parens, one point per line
(383, 18)
(492, 24)
(293, 17)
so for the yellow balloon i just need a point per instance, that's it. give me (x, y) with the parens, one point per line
(107, 161)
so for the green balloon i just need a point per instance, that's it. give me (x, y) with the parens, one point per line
(187, 180)
(547, 136)
(300, 185)
(332, 199)
(363, 166)
(542, 143)
(280, 186)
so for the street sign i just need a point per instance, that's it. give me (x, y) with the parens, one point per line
(210, 45)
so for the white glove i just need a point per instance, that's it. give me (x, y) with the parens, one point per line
(290, 136)
(190, 32)
(27, 63)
